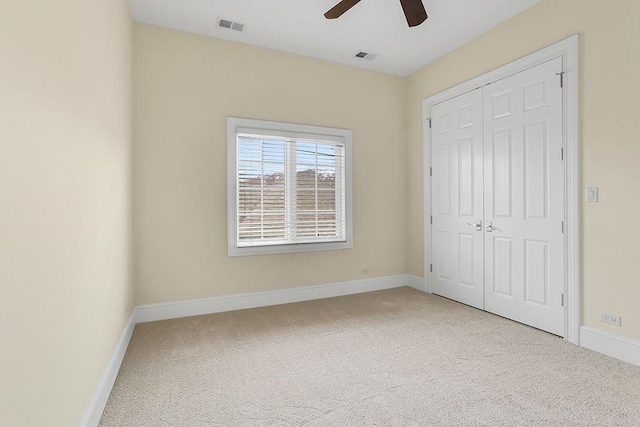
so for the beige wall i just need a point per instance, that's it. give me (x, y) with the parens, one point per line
(65, 141)
(184, 88)
(610, 98)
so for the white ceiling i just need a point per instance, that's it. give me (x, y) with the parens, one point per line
(374, 26)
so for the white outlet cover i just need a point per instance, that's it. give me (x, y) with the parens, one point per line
(612, 319)
(592, 194)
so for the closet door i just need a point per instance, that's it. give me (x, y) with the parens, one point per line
(524, 198)
(457, 232)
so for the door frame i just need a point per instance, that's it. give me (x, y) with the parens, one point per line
(568, 50)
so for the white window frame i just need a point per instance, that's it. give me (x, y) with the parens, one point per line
(236, 124)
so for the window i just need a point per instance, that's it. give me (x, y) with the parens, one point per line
(289, 187)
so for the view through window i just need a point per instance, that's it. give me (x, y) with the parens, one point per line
(291, 188)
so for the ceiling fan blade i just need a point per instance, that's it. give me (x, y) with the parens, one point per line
(337, 10)
(414, 11)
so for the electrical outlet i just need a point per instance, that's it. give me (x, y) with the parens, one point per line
(613, 319)
(364, 271)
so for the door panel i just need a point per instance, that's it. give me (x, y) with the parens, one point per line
(503, 266)
(457, 199)
(501, 146)
(524, 199)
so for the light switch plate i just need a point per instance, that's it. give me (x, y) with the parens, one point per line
(592, 194)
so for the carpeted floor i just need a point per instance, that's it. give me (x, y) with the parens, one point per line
(389, 358)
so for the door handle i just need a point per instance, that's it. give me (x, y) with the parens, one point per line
(477, 225)
(489, 226)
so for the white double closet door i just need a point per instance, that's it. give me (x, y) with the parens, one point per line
(498, 198)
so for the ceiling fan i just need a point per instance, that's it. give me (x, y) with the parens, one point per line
(413, 10)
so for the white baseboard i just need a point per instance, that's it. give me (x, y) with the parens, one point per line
(173, 310)
(94, 411)
(612, 345)
(416, 282)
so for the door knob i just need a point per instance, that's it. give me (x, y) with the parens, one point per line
(477, 225)
(489, 226)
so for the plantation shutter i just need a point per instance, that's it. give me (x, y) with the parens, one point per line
(291, 188)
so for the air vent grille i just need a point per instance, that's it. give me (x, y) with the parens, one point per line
(361, 54)
(230, 25)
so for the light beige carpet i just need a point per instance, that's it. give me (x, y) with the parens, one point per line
(390, 358)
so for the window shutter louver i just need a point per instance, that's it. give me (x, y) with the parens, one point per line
(290, 188)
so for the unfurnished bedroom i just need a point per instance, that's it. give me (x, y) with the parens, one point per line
(320, 213)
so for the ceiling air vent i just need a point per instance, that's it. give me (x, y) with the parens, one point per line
(230, 25)
(365, 55)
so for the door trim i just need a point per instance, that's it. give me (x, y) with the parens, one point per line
(568, 50)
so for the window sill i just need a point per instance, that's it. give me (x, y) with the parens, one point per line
(290, 248)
